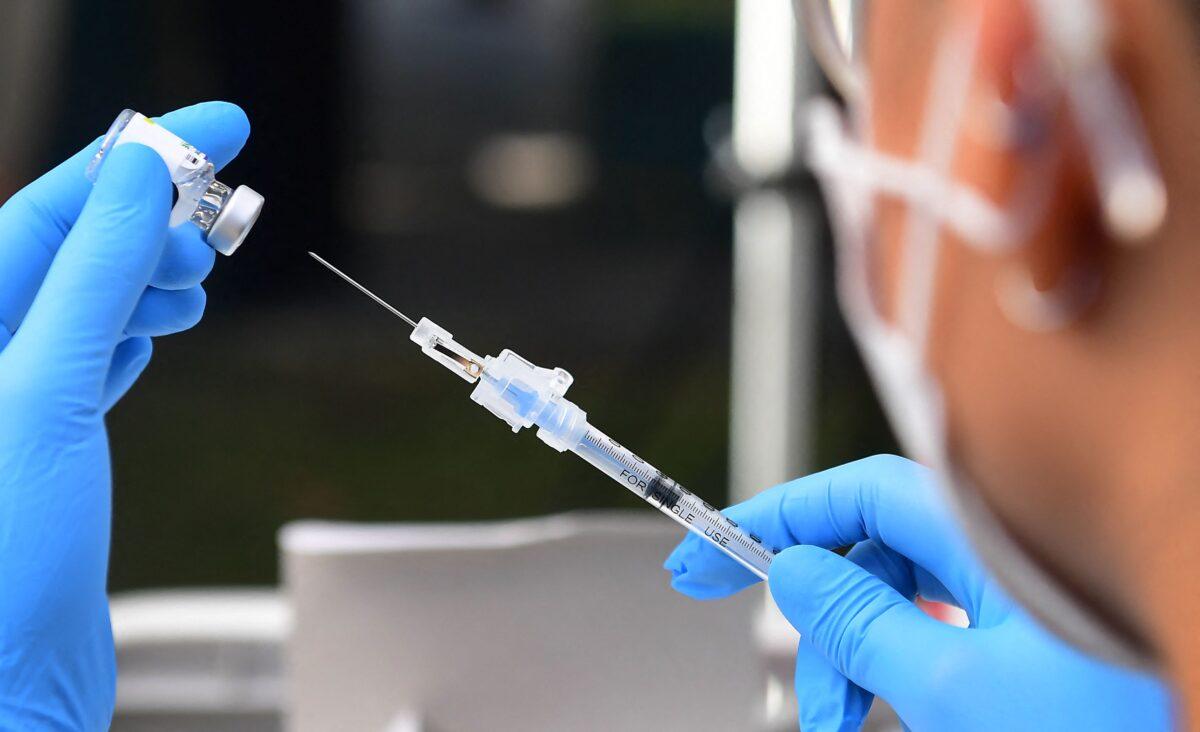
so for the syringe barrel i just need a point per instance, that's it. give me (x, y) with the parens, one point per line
(672, 499)
(524, 395)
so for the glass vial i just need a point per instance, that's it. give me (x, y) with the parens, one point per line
(223, 214)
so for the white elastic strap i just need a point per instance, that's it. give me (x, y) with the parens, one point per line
(967, 213)
(948, 92)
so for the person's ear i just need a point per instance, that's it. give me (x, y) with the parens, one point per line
(1021, 149)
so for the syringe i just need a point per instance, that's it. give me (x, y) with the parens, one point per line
(524, 395)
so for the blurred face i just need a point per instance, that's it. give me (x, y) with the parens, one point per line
(1012, 196)
(1029, 415)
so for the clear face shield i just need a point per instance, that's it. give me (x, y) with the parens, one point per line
(1073, 71)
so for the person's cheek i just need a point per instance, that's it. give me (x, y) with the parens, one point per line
(902, 38)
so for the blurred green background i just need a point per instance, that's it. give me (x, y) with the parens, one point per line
(374, 126)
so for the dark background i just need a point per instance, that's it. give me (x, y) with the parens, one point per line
(297, 397)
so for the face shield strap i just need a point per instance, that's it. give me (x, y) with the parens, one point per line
(862, 173)
(835, 156)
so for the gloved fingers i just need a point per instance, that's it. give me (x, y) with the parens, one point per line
(826, 700)
(867, 630)
(885, 497)
(53, 202)
(695, 572)
(186, 260)
(898, 572)
(163, 312)
(1104, 696)
(217, 129)
(28, 242)
(931, 588)
(35, 220)
(894, 570)
(5, 336)
(128, 362)
(97, 277)
(702, 572)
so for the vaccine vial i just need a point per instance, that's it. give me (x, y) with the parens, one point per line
(225, 215)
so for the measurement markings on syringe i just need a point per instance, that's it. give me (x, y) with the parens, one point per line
(611, 448)
(668, 495)
(689, 511)
(637, 472)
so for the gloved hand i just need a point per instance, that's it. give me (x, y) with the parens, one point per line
(87, 275)
(862, 635)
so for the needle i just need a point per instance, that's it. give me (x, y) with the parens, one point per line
(364, 290)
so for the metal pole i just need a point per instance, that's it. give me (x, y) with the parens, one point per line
(776, 233)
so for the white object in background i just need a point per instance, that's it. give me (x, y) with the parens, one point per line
(765, 75)
(199, 659)
(531, 170)
(558, 623)
(405, 722)
(777, 232)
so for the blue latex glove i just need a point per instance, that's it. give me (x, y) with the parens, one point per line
(862, 635)
(86, 276)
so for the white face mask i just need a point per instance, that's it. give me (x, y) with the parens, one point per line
(851, 176)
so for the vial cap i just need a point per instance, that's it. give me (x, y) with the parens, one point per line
(235, 220)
